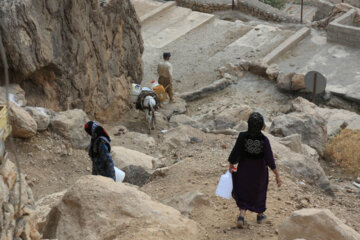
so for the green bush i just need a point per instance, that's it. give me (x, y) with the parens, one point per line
(275, 3)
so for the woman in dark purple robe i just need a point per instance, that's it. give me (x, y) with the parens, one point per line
(252, 152)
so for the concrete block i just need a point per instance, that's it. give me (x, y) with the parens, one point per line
(287, 45)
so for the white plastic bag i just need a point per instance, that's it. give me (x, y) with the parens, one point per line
(225, 186)
(119, 175)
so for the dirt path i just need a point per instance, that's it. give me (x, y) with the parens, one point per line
(201, 172)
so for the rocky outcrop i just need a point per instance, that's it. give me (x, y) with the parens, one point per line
(305, 165)
(98, 208)
(337, 119)
(70, 125)
(73, 54)
(20, 223)
(316, 224)
(311, 127)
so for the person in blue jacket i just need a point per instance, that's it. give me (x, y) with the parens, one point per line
(99, 150)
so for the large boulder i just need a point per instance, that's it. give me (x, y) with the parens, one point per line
(316, 224)
(305, 166)
(41, 116)
(136, 165)
(231, 116)
(68, 54)
(311, 127)
(99, 208)
(70, 125)
(44, 206)
(125, 157)
(337, 119)
(22, 124)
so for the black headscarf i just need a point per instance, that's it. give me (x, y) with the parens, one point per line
(254, 140)
(97, 134)
(250, 144)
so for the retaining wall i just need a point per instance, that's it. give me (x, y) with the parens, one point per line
(324, 8)
(205, 6)
(343, 31)
(252, 7)
(264, 11)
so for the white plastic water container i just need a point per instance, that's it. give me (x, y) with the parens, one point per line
(119, 175)
(145, 89)
(225, 186)
(136, 90)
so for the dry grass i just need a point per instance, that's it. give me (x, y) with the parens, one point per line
(344, 149)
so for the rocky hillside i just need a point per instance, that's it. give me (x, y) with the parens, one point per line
(73, 54)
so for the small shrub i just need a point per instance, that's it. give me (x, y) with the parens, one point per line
(275, 3)
(344, 150)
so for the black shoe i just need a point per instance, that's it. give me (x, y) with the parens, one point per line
(240, 222)
(260, 218)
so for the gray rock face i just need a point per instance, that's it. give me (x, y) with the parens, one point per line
(68, 54)
(12, 224)
(304, 165)
(311, 127)
(70, 125)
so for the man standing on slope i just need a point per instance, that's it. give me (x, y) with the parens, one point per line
(165, 75)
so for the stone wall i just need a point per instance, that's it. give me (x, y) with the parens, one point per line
(264, 11)
(14, 225)
(324, 8)
(70, 54)
(343, 31)
(205, 6)
(355, 3)
(252, 7)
